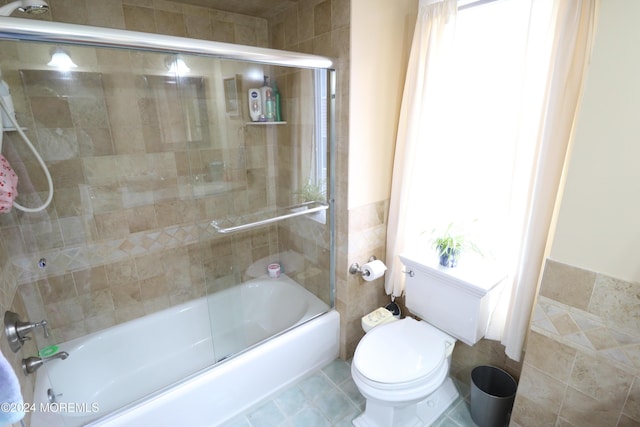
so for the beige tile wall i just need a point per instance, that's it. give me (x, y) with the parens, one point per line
(130, 198)
(582, 365)
(122, 238)
(66, 132)
(322, 27)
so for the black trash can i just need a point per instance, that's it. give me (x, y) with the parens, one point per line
(492, 394)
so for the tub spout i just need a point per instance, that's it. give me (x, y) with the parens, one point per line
(31, 364)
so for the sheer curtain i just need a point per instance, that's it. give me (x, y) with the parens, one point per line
(466, 150)
(430, 54)
(573, 26)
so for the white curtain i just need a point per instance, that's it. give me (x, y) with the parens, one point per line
(430, 50)
(573, 31)
(540, 116)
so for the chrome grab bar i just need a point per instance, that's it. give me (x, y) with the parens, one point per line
(304, 209)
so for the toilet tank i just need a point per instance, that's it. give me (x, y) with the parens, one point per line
(459, 300)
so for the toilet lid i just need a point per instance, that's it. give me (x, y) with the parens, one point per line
(400, 352)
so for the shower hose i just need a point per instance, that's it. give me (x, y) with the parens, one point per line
(35, 153)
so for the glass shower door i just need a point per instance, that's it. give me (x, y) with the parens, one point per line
(267, 251)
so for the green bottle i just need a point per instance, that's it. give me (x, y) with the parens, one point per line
(276, 94)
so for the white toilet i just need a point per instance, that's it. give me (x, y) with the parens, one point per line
(401, 367)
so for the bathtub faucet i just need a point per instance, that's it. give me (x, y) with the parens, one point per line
(31, 364)
(16, 330)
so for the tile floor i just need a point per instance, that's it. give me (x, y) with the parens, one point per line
(330, 398)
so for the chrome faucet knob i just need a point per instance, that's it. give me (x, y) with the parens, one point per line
(16, 330)
(23, 328)
(45, 328)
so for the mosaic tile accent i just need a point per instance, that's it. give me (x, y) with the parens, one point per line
(67, 260)
(586, 332)
(582, 362)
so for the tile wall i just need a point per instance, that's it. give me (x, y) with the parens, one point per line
(83, 126)
(127, 233)
(582, 365)
(124, 236)
(323, 28)
(312, 26)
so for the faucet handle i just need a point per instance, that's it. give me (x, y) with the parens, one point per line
(45, 328)
(16, 330)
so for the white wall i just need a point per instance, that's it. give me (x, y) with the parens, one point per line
(381, 33)
(598, 225)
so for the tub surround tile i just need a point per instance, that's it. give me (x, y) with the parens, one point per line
(106, 14)
(55, 289)
(632, 405)
(139, 19)
(120, 235)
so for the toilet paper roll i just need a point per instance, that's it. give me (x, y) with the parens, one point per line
(373, 270)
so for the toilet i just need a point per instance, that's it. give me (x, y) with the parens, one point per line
(401, 367)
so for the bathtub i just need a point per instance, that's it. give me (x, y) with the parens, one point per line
(173, 367)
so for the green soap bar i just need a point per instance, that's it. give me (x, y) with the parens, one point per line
(48, 351)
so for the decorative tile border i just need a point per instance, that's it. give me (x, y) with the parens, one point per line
(586, 332)
(66, 260)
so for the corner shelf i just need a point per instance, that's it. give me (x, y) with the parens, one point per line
(265, 123)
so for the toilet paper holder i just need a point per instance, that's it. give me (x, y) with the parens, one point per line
(356, 269)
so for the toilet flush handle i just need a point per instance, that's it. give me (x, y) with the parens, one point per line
(410, 273)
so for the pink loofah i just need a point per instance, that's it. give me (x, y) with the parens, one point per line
(8, 186)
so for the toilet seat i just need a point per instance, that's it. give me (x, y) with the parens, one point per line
(400, 354)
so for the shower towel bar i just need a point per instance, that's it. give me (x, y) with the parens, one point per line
(294, 211)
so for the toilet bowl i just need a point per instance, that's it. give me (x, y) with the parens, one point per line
(401, 368)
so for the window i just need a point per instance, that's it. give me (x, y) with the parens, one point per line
(477, 155)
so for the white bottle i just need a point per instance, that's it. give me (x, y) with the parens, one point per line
(255, 105)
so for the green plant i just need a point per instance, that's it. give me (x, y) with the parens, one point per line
(452, 242)
(311, 192)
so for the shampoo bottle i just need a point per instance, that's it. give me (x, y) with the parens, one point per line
(265, 91)
(276, 97)
(270, 110)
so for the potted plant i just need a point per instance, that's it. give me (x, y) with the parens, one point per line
(311, 192)
(450, 244)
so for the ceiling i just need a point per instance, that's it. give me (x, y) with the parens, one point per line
(259, 8)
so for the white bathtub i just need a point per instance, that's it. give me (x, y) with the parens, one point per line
(162, 362)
